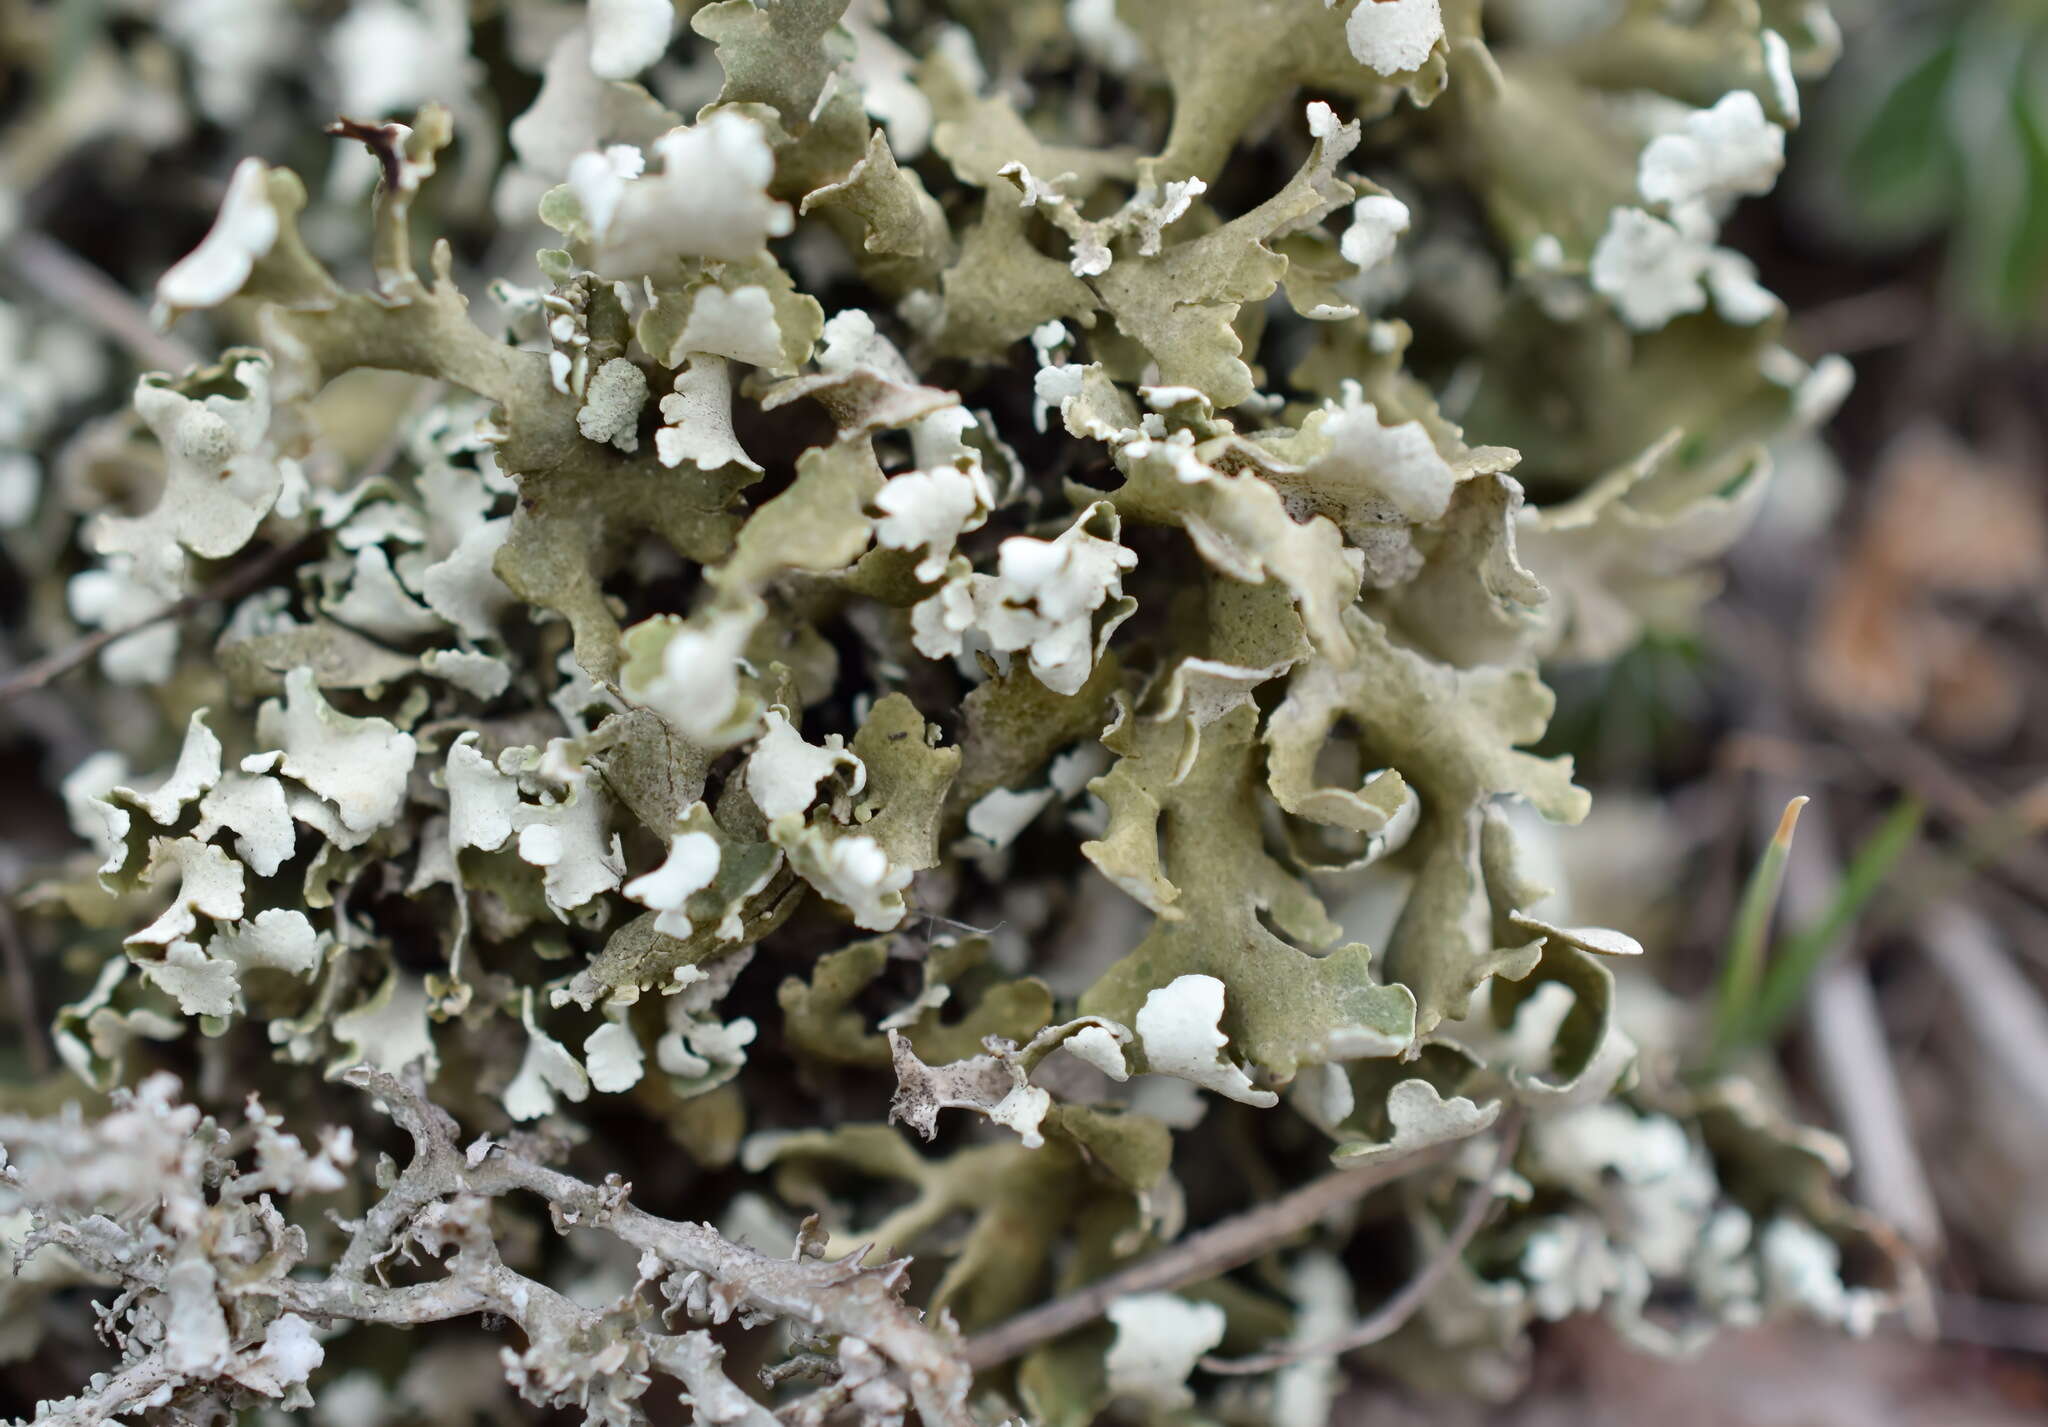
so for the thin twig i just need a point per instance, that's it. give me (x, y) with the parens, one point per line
(1216, 1249)
(1387, 1319)
(250, 577)
(1862, 1086)
(59, 274)
(384, 141)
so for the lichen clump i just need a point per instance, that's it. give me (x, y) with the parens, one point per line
(945, 658)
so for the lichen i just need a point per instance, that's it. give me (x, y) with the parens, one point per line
(985, 560)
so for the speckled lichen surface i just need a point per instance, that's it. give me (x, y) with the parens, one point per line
(958, 652)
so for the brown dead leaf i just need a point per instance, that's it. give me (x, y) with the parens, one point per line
(1974, 698)
(1950, 519)
(1944, 521)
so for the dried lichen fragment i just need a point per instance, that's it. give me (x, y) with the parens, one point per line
(1723, 151)
(253, 807)
(783, 771)
(626, 36)
(1452, 736)
(360, 765)
(777, 55)
(709, 199)
(1181, 303)
(1177, 1026)
(612, 403)
(220, 477)
(245, 230)
(1393, 36)
(547, 1070)
(1159, 1338)
(1187, 843)
(697, 418)
(1043, 600)
(998, 1085)
(1419, 1117)
(1065, 547)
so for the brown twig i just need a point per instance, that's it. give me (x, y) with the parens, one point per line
(69, 281)
(1387, 1319)
(1216, 1249)
(250, 577)
(1857, 1076)
(382, 140)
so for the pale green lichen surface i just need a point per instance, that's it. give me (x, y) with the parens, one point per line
(959, 652)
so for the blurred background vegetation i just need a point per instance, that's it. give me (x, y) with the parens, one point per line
(1881, 648)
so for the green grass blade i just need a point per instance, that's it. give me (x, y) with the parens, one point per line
(1742, 965)
(1803, 952)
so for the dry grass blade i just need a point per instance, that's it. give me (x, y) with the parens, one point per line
(2001, 1005)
